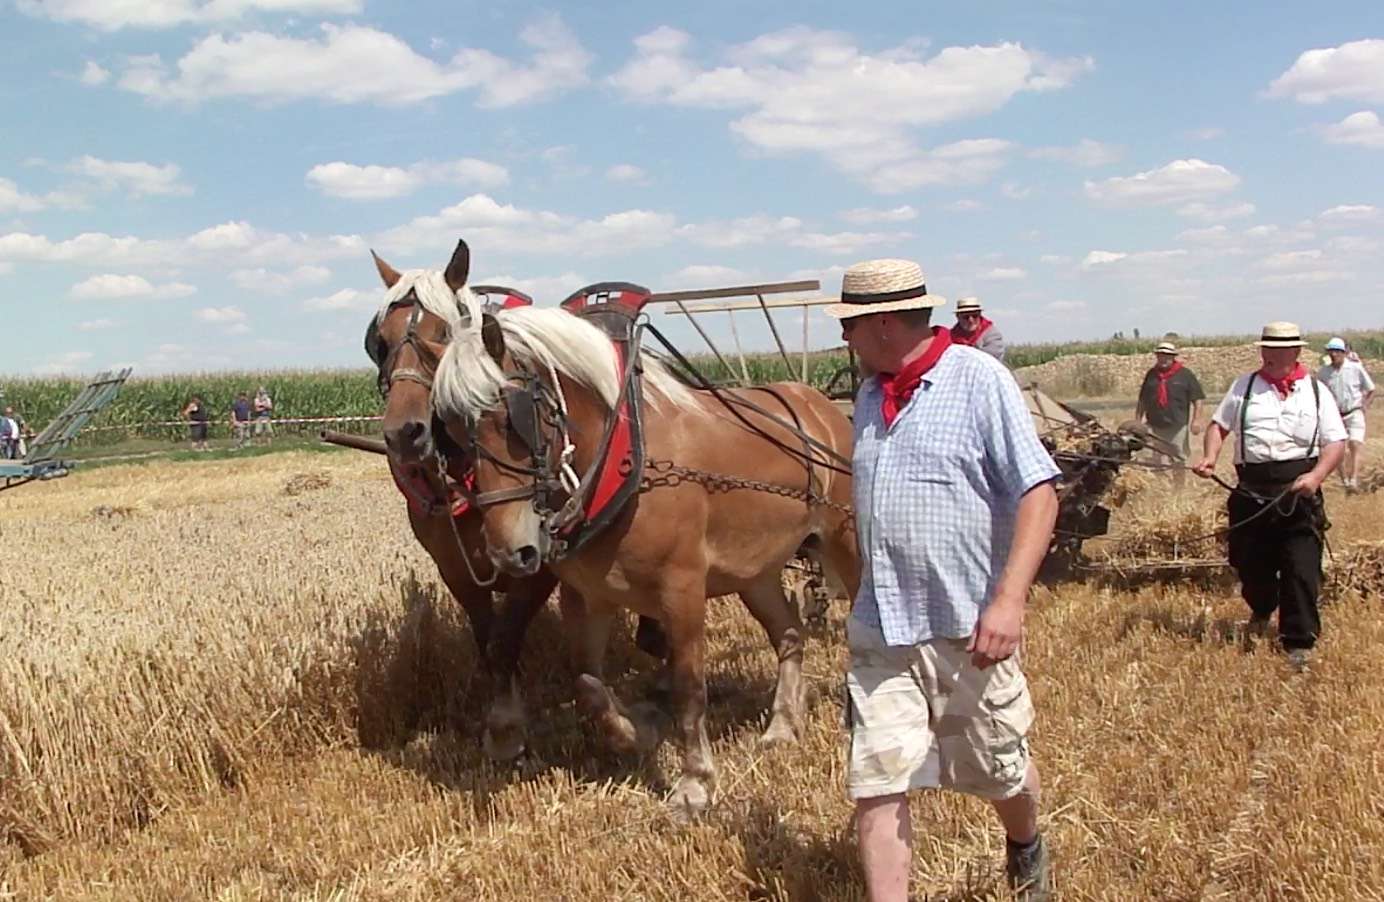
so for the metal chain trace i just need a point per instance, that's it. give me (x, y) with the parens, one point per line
(666, 474)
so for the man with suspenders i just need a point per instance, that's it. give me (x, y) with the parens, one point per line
(1290, 438)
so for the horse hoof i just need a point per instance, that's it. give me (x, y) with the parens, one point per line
(592, 695)
(779, 732)
(502, 745)
(689, 800)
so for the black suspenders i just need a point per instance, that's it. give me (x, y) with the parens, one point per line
(1316, 413)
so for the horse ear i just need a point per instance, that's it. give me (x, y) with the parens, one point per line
(459, 267)
(387, 272)
(493, 337)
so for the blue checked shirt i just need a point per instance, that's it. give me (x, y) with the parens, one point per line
(936, 496)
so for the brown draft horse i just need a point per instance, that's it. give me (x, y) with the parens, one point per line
(678, 542)
(405, 339)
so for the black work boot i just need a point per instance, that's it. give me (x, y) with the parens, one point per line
(1028, 869)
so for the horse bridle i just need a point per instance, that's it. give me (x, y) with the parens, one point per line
(374, 346)
(536, 413)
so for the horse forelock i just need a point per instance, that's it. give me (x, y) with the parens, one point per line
(435, 296)
(548, 339)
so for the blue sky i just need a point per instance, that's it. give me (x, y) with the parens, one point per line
(195, 184)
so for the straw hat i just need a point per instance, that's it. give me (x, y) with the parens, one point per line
(1281, 335)
(1166, 347)
(883, 286)
(1336, 344)
(967, 305)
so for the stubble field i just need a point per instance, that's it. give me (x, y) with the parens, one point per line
(242, 680)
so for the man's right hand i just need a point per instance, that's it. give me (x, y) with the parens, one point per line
(1205, 468)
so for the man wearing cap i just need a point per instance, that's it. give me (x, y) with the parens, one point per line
(1170, 403)
(1290, 438)
(975, 329)
(954, 507)
(1353, 390)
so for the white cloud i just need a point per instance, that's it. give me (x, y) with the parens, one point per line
(1211, 213)
(1055, 259)
(1015, 191)
(627, 172)
(221, 315)
(1084, 153)
(1066, 306)
(345, 299)
(62, 364)
(93, 74)
(1362, 129)
(358, 64)
(545, 290)
(961, 163)
(234, 243)
(1352, 71)
(1096, 259)
(1180, 181)
(1292, 259)
(965, 205)
(1002, 274)
(6, 268)
(1206, 134)
(14, 199)
(135, 178)
(1306, 277)
(113, 287)
(266, 281)
(1349, 213)
(785, 230)
(110, 15)
(353, 182)
(501, 228)
(1214, 233)
(95, 325)
(866, 215)
(805, 90)
(705, 276)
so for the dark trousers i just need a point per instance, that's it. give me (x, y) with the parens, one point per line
(1278, 557)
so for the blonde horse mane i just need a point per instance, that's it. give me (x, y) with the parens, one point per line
(469, 382)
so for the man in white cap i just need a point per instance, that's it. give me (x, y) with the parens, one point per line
(1170, 403)
(1290, 438)
(955, 506)
(1353, 390)
(974, 328)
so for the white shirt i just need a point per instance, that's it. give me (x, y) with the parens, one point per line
(1279, 428)
(1349, 383)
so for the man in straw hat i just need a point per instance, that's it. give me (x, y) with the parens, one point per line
(955, 506)
(1353, 390)
(1290, 438)
(975, 329)
(1170, 403)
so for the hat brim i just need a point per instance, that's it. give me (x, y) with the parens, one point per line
(1281, 343)
(850, 311)
(1171, 352)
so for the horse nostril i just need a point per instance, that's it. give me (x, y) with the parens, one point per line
(527, 558)
(414, 431)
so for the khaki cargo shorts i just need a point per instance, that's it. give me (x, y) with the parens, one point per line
(923, 716)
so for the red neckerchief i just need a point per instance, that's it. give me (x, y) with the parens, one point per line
(1284, 386)
(899, 387)
(1163, 377)
(969, 338)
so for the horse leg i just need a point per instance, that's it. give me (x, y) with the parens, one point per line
(589, 622)
(771, 608)
(504, 734)
(686, 627)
